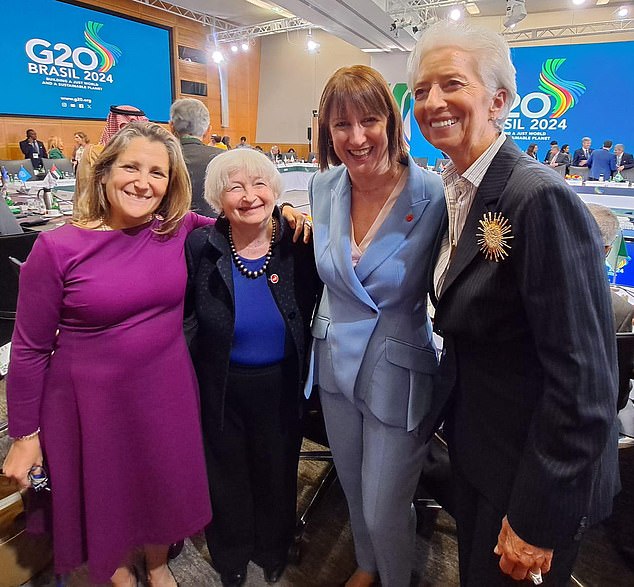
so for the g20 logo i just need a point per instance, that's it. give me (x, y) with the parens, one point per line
(62, 60)
(534, 106)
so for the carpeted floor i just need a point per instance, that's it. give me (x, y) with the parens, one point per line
(328, 556)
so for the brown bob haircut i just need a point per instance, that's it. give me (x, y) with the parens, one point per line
(361, 89)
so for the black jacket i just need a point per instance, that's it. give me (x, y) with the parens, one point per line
(530, 356)
(197, 156)
(210, 314)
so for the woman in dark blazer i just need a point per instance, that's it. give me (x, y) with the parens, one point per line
(251, 294)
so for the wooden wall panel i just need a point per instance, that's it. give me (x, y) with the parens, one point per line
(243, 76)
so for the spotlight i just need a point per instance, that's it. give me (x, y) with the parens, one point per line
(217, 56)
(234, 48)
(515, 12)
(623, 12)
(311, 44)
(245, 46)
(455, 14)
(578, 2)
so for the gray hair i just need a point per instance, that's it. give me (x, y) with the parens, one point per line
(586, 139)
(189, 117)
(608, 222)
(250, 161)
(619, 146)
(492, 55)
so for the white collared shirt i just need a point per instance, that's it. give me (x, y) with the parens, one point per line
(460, 191)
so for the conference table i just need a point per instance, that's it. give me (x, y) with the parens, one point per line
(296, 176)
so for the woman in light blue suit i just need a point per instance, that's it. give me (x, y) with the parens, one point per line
(375, 215)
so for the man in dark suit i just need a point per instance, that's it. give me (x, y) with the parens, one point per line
(580, 156)
(554, 149)
(189, 121)
(528, 368)
(602, 162)
(623, 160)
(33, 149)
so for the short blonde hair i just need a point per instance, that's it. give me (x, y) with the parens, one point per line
(55, 143)
(93, 204)
(223, 166)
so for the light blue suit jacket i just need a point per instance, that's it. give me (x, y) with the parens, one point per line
(372, 333)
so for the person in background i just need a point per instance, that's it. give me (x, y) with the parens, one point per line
(81, 141)
(532, 150)
(623, 160)
(226, 141)
(55, 148)
(118, 117)
(275, 155)
(527, 385)
(610, 229)
(243, 144)
(189, 121)
(561, 158)
(375, 215)
(33, 149)
(553, 150)
(216, 141)
(101, 385)
(602, 163)
(252, 292)
(259, 149)
(581, 156)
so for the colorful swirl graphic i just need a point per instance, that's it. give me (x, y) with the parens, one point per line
(564, 93)
(403, 98)
(107, 53)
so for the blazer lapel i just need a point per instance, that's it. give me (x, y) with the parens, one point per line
(340, 224)
(486, 199)
(404, 215)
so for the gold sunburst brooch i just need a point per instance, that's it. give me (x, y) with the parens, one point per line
(493, 234)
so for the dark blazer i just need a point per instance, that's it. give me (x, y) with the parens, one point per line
(580, 156)
(209, 306)
(529, 361)
(197, 157)
(28, 150)
(626, 160)
(601, 162)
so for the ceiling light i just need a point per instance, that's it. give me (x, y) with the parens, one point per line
(623, 12)
(217, 56)
(375, 50)
(234, 48)
(245, 46)
(472, 8)
(602, 2)
(311, 44)
(578, 2)
(455, 14)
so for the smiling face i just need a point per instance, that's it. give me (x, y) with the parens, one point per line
(455, 111)
(360, 141)
(586, 144)
(136, 183)
(247, 201)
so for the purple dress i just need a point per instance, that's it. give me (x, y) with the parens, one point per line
(117, 401)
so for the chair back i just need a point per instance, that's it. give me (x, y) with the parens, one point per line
(421, 161)
(16, 246)
(13, 167)
(628, 174)
(63, 165)
(440, 164)
(561, 170)
(625, 353)
(580, 171)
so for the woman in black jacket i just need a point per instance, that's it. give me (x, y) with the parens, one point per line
(251, 294)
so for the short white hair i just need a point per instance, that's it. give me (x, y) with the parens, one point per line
(491, 52)
(250, 161)
(608, 222)
(189, 117)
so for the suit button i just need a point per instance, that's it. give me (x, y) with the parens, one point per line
(291, 315)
